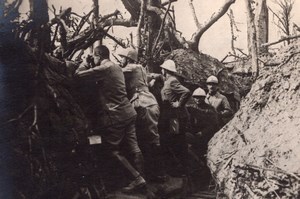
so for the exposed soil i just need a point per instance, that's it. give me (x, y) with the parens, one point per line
(257, 153)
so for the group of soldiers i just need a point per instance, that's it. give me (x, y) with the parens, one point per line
(139, 125)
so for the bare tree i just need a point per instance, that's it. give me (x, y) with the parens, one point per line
(194, 43)
(253, 38)
(284, 16)
(157, 14)
(262, 25)
(39, 16)
(259, 14)
(233, 29)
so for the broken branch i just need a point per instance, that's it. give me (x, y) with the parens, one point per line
(19, 116)
(194, 13)
(215, 17)
(115, 40)
(280, 40)
(167, 2)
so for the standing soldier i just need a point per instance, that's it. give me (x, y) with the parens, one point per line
(218, 101)
(174, 113)
(147, 110)
(116, 114)
(204, 123)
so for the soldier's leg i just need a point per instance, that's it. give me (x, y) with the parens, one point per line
(112, 138)
(131, 146)
(155, 160)
(181, 146)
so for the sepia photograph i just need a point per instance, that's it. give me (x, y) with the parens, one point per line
(149, 99)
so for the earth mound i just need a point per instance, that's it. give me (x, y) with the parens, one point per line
(197, 67)
(257, 154)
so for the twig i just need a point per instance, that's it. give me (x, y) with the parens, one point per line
(115, 40)
(227, 162)
(82, 22)
(161, 28)
(271, 188)
(252, 194)
(117, 12)
(77, 15)
(288, 59)
(19, 116)
(278, 170)
(241, 134)
(194, 14)
(159, 49)
(35, 113)
(54, 9)
(240, 50)
(167, 2)
(224, 58)
(281, 21)
(54, 36)
(116, 58)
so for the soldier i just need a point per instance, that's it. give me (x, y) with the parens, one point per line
(147, 110)
(174, 113)
(116, 113)
(218, 101)
(204, 123)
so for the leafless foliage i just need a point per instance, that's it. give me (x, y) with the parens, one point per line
(284, 16)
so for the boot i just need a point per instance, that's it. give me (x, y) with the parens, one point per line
(126, 164)
(157, 173)
(137, 184)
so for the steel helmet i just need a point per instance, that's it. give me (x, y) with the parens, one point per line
(212, 80)
(199, 92)
(129, 53)
(169, 65)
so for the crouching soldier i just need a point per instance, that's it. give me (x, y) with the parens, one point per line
(148, 112)
(174, 114)
(203, 121)
(116, 113)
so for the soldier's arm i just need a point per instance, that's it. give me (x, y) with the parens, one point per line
(227, 111)
(129, 68)
(182, 91)
(153, 77)
(82, 67)
(87, 72)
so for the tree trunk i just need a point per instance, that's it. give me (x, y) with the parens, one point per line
(40, 33)
(252, 36)
(261, 24)
(96, 19)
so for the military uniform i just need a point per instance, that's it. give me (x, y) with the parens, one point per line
(173, 120)
(144, 103)
(203, 125)
(148, 113)
(116, 116)
(220, 103)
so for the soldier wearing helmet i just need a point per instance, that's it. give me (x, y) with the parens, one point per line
(148, 113)
(218, 101)
(115, 113)
(203, 123)
(174, 113)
